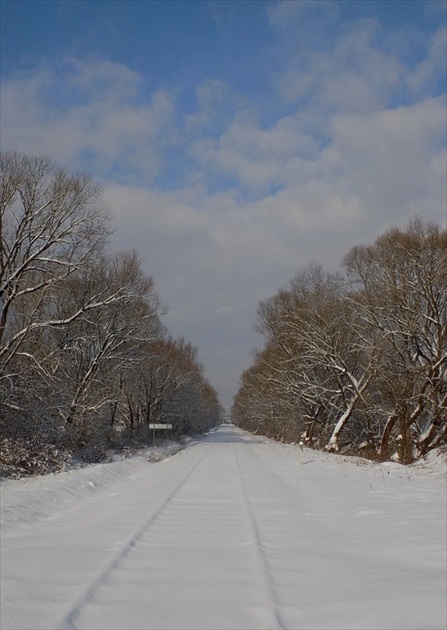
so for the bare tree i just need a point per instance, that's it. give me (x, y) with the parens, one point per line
(52, 224)
(99, 348)
(359, 361)
(83, 352)
(325, 364)
(169, 387)
(401, 284)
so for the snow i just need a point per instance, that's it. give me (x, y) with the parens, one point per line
(231, 532)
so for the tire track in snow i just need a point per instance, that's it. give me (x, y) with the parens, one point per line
(260, 557)
(68, 621)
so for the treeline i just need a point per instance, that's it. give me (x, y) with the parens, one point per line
(357, 362)
(85, 359)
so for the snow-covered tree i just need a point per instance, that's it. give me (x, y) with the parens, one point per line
(52, 226)
(359, 360)
(401, 293)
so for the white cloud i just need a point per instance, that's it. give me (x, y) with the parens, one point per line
(217, 103)
(103, 80)
(99, 121)
(340, 160)
(428, 72)
(390, 157)
(224, 310)
(286, 15)
(258, 157)
(351, 72)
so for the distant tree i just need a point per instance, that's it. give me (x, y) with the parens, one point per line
(169, 387)
(98, 349)
(325, 366)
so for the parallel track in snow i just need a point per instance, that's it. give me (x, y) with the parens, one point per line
(231, 535)
(68, 621)
(259, 555)
(167, 508)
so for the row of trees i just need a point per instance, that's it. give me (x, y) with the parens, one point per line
(357, 362)
(84, 355)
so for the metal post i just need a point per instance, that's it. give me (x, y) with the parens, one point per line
(301, 453)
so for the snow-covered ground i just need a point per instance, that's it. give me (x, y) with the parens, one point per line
(231, 532)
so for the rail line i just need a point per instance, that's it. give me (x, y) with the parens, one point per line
(68, 621)
(259, 554)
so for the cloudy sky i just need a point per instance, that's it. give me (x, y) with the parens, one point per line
(237, 141)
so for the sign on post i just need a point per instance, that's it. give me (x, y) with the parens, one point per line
(153, 425)
(159, 425)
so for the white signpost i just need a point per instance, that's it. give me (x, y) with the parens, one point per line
(301, 453)
(159, 425)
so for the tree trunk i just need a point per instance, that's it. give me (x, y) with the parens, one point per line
(390, 423)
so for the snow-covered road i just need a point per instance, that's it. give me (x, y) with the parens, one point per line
(229, 533)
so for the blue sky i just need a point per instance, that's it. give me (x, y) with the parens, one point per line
(237, 141)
